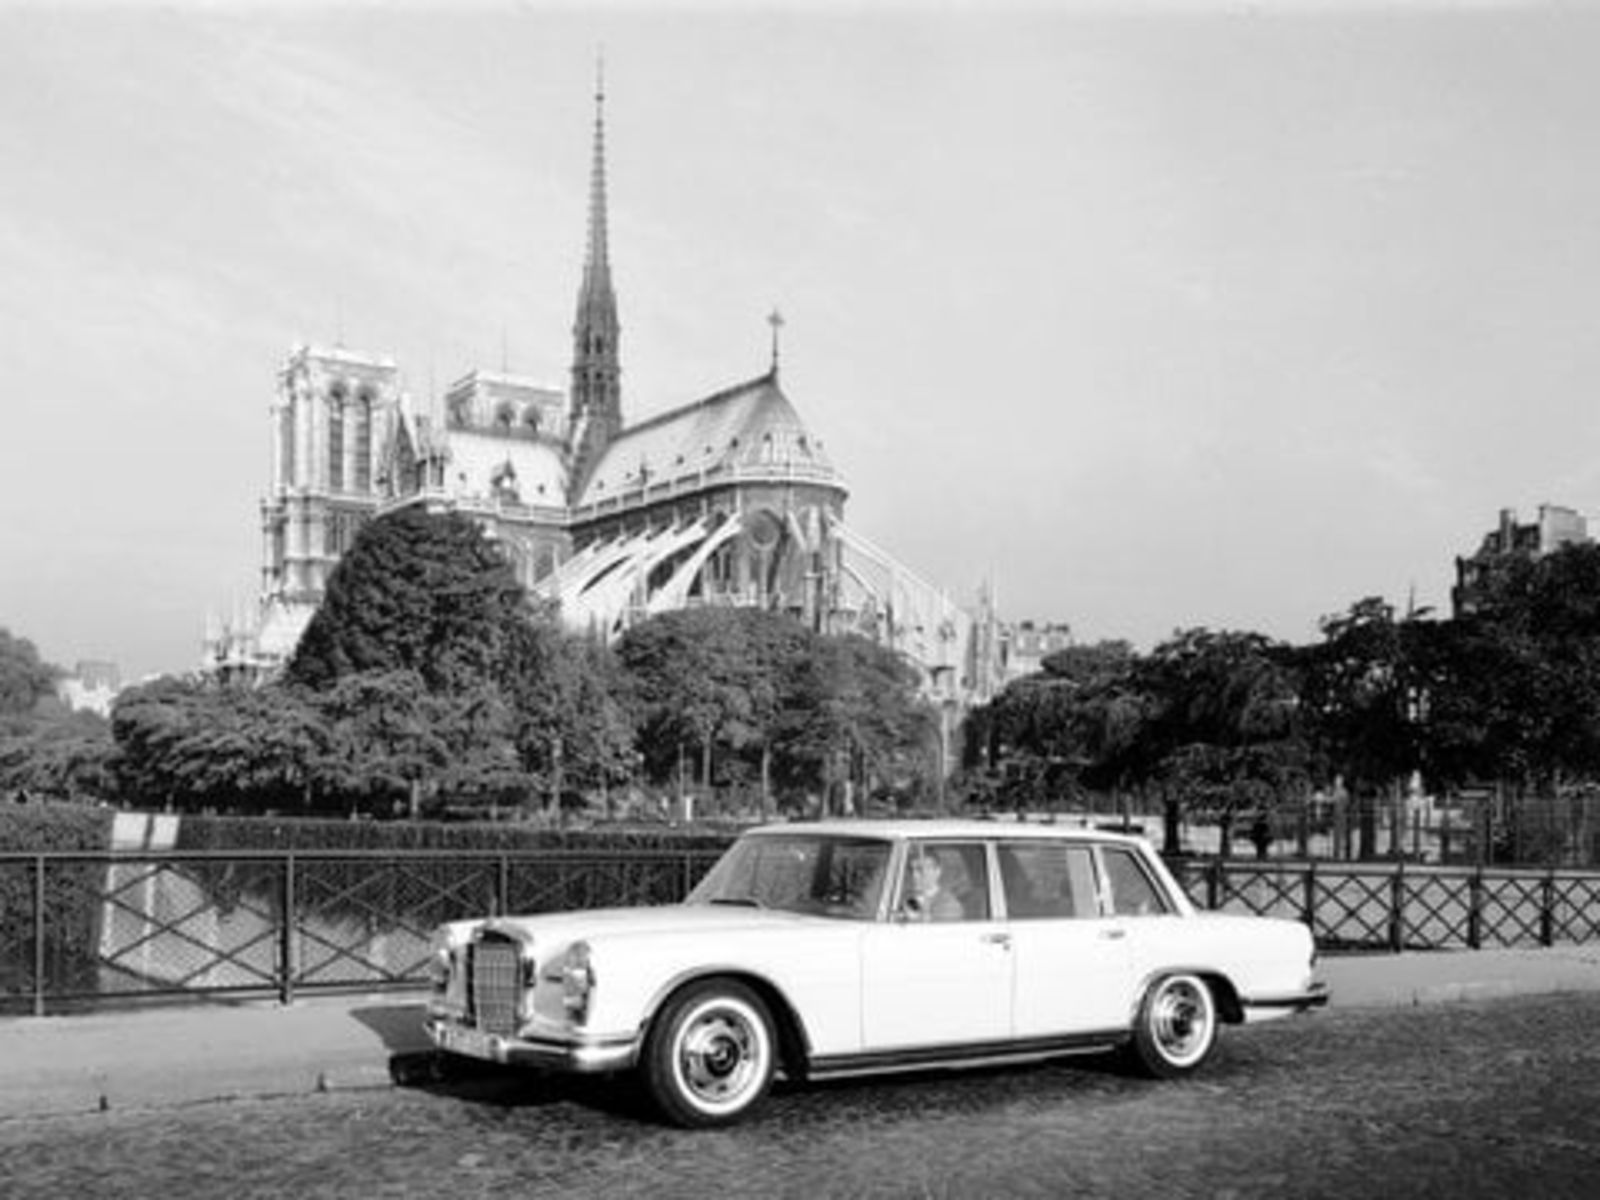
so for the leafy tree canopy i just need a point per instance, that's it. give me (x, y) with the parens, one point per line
(25, 678)
(420, 592)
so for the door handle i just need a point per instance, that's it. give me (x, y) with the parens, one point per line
(1113, 935)
(1003, 940)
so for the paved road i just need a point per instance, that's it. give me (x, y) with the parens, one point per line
(1478, 1098)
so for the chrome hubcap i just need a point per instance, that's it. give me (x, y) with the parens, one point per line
(719, 1056)
(1180, 1020)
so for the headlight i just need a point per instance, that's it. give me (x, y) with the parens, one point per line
(440, 959)
(577, 981)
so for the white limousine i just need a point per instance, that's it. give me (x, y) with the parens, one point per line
(856, 947)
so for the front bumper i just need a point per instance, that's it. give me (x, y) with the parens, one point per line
(582, 1056)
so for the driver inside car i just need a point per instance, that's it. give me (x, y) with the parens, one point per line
(927, 899)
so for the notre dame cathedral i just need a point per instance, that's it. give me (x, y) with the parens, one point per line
(728, 500)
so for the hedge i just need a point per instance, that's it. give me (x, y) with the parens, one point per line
(72, 898)
(368, 888)
(309, 833)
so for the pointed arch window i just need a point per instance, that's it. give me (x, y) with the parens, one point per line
(336, 446)
(363, 440)
(286, 445)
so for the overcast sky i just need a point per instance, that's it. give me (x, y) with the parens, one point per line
(1155, 315)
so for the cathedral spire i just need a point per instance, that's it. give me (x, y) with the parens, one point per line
(597, 262)
(596, 371)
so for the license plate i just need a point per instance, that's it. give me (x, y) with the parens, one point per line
(458, 1039)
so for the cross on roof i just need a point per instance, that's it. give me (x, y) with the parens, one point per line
(776, 321)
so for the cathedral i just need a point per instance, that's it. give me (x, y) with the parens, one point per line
(728, 500)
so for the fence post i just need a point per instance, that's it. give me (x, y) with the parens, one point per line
(1475, 910)
(502, 886)
(1397, 907)
(1547, 907)
(38, 935)
(286, 918)
(1214, 884)
(1308, 904)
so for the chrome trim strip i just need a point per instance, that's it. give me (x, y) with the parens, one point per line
(972, 1054)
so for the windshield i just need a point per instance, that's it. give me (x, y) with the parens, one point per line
(802, 873)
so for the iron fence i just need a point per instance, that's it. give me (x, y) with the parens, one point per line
(1399, 906)
(77, 927)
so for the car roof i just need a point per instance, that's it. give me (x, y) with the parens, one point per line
(947, 828)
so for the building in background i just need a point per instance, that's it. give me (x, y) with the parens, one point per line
(1025, 645)
(91, 687)
(1555, 527)
(726, 500)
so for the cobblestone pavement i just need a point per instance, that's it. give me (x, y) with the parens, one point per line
(1482, 1098)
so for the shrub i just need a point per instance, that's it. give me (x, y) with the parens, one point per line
(72, 898)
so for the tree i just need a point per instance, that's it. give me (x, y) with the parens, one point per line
(854, 715)
(711, 679)
(1065, 731)
(1223, 735)
(1361, 697)
(25, 678)
(572, 724)
(192, 744)
(757, 692)
(441, 683)
(418, 592)
(57, 753)
(382, 746)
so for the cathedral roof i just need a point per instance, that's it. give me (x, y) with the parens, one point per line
(749, 426)
(482, 465)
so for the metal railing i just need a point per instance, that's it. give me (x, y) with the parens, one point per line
(77, 928)
(1400, 906)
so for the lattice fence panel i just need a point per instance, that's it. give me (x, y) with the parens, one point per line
(365, 921)
(1353, 909)
(1264, 891)
(1438, 911)
(567, 884)
(1511, 910)
(1575, 909)
(175, 925)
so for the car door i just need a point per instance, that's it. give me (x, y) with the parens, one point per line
(1154, 932)
(1073, 971)
(938, 981)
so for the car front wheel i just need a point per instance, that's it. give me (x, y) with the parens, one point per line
(1176, 1027)
(711, 1054)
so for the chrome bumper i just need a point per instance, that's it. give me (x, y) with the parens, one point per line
(1315, 996)
(583, 1057)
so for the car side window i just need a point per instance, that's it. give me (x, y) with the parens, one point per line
(1132, 892)
(1047, 880)
(945, 881)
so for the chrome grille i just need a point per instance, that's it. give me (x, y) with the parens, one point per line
(496, 976)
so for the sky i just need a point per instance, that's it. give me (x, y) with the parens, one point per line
(1148, 315)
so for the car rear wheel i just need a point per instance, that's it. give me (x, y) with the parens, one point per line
(1176, 1028)
(711, 1054)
